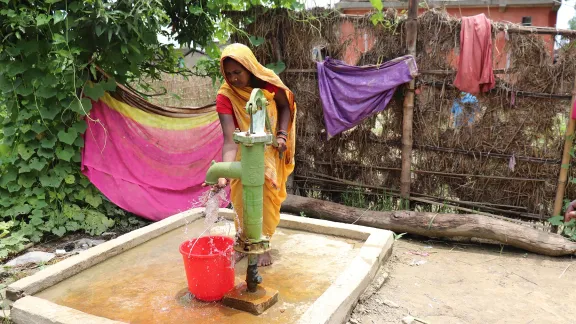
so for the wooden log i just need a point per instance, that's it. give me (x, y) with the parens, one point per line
(436, 225)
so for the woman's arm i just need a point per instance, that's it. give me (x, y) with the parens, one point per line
(229, 149)
(283, 108)
(284, 115)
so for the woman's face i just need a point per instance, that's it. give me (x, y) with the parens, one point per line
(236, 74)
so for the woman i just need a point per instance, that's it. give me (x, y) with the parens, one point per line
(242, 73)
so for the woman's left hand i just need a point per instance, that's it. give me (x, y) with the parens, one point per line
(281, 144)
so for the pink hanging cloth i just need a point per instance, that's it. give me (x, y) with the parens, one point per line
(475, 73)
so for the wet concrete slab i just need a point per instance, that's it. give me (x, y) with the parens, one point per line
(147, 284)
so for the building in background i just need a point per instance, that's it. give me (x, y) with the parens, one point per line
(541, 13)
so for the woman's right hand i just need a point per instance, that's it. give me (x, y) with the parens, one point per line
(222, 183)
(570, 212)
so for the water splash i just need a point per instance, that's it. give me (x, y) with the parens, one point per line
(212, 201)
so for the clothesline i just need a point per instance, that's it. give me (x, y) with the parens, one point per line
(422, 72)
(509, 27)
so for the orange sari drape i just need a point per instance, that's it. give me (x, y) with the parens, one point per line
(276, 170)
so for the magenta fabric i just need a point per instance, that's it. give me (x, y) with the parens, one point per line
(148, 171)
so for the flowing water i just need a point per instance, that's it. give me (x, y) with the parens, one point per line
(211, 201)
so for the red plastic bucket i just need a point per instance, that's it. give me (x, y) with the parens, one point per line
(209, 266)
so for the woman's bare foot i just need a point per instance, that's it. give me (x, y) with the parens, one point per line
(238, 256)
(264, 259)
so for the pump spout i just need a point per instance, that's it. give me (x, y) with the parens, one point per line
(230, 170)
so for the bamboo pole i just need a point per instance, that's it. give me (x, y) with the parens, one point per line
(536, 30)
(408, 113)
(565, 165)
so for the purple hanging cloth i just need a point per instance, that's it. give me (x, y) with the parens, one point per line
(350, 94)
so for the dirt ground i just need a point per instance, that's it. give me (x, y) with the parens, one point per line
(443, 282)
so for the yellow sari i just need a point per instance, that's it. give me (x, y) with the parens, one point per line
(276, 170)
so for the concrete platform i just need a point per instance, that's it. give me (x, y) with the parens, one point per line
(320, 270)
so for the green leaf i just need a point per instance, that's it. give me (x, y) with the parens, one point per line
(377, 18)
(67, 137)
(42, 19)
(84, 182)
(58, 16)
(213, 51)
(80, 126)
(82, 107)
(6, 84)
(10, 175)
(277, 67)
(50, 180)
(72, 226)
(70, 179)
(93, 200)
(45, 153)
(23, 167)
(38, 128)
(25, 152)
(94, 91)
(4, 149)
(48, 112)
(13, 51)
(52, 1)
(13, 187)
(58, 38)
(22, 210)
(40, 203)
(79, 142)
(64, 154)
(59, 231)
(26, 180)
(48, 142)
(37, 164)
(36, 221)
(256, 41)
(556, 220)
(46, 91)
(108, 85)
(16, 68)
(39, 192)
(77, 158)
(62, 169)
(9, 131)
(377, 4)
(195, 10)
(24, 90)
(25, 128)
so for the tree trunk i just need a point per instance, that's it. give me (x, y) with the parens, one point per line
(436, 225)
